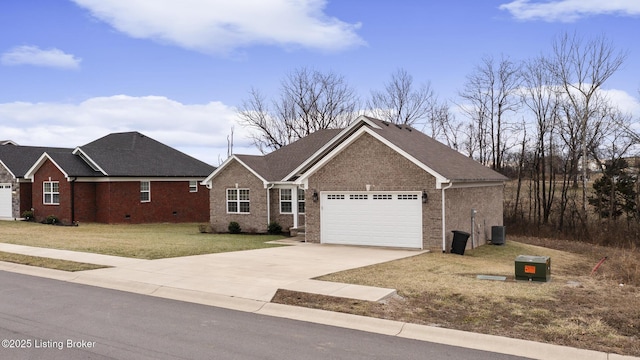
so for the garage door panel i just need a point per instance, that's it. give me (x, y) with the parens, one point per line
(374, 219)
(5, 201)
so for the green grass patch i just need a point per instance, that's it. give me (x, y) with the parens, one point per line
(48, 263)
(146, 241)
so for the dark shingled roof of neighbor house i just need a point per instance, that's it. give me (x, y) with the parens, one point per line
(131, 154)
(19, 159)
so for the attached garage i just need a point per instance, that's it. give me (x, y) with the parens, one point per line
(372, 218)
(6, 210)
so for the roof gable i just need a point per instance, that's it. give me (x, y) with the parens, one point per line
(19, 159)
(283, 161)
(301, 158)
(132, 154)
(445, 161)
(445, 164)
(275, 166)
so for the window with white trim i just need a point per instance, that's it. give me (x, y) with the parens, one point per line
(238, 201)
(193, 186)
(301, 203)
(145, 191)
(51, 193)
(286, 201)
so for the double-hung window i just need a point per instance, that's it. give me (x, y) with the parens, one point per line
(193, 186)
(51, 193)
(145, 191)
(286, 201)
(238, 201)
(300, 201)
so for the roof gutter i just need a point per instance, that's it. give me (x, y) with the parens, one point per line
(444, 220)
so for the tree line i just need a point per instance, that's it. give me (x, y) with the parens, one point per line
(545, 122)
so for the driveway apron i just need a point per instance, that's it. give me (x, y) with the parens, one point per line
(255, 274)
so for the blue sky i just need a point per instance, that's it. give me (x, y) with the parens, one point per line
(75, 70)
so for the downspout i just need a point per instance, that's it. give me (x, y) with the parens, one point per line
(73, 197)
(444, 221)
(269, 204)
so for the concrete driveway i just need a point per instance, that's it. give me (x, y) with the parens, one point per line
(253, 274)
(247, 280)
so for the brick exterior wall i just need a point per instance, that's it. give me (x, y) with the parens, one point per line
(85, 201)
(171, 201)
(7, 178)
(488, 203)
(49, 172)
(119, 202)
(368, 161)
(234, 173)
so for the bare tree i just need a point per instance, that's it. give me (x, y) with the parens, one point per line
(543, 101)
(309, 101)
(401, 102)
(489, 93)
(580, 68)
(443, 126)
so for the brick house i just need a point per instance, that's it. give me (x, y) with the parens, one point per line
(372, 183)
(15, 189)
(120, 178)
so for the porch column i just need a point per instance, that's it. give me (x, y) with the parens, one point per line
(294, 205)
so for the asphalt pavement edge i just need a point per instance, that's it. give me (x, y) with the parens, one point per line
(491, 343)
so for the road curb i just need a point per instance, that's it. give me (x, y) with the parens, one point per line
(483, 342)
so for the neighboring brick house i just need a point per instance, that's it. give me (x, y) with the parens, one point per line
(372, 183)
(120, 178)
(15, 190)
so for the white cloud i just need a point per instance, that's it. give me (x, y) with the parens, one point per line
(199, 130)
(569, 10)
(221, 26)
(624, 101)
(32, 55)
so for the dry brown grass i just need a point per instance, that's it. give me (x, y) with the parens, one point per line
(145, 241)
(574, 308)
(56, 264)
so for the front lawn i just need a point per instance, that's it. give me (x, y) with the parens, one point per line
(147, 241)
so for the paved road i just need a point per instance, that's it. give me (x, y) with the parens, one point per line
(49, 319)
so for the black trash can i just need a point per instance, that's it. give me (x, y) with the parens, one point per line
(459, 242)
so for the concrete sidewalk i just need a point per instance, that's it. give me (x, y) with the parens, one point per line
(247, 280)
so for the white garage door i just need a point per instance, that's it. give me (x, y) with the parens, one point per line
(5, 201)
(371, 218)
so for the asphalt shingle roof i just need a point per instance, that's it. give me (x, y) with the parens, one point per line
(279, 163)
(443, 160)
(122, 154)
(19, 159)
(132, 154)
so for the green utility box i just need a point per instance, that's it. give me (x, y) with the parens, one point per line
(533, 268)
